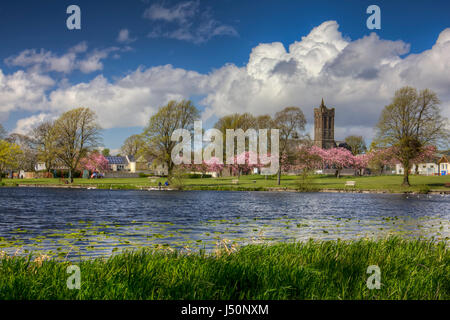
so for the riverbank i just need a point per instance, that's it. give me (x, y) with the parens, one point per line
(375, 184)
(410, 269)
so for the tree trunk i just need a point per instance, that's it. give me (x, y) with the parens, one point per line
(70, 176)
(406, 176)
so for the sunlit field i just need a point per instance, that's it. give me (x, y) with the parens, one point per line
(391, 183)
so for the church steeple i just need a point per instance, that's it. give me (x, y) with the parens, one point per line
(324, 127)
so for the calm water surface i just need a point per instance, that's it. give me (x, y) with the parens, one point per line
(71, 223)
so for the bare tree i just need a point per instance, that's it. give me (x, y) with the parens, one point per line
(44, 144)
(291, 122)
(411, 122)
(75, 133)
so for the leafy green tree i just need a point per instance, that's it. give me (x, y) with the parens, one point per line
(410, 123)
(28, 157)
(75, 133)
(9, 156)
(357, 144)
(158, 133)
(133, 145)
(106, 152)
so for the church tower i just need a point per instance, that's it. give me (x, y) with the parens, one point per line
(324, 127)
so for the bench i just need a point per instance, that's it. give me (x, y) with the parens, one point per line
(350, 183)
(235, 181)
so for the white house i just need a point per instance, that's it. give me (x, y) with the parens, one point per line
(40, 166)
(425, 169)
(444, 166)
(126, 163)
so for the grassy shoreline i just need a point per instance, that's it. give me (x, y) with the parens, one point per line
(376, 184)
(410, 269)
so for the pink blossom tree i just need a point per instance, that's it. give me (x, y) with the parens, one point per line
(379, 158)
(94, 162)
(308, 159)
(360, 162)
(391, 156)
(337, 158)
(242, 163)
(214, 165)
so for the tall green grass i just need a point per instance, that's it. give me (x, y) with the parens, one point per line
(410, 269)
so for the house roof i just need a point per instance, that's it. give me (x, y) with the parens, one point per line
(120, 160)
(444, 159)
(116, 160)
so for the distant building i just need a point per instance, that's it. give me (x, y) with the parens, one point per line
(324, 127)
(425, 169)
(438, 166)
(118, 163)
(444, 166)
(159, 168)
(40, 166)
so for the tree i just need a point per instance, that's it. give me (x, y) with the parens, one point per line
(75, 133)
(241, 164)
(28, 157)
(338, 158)
(410, 123)
(157, 135)
(133, 145)
(379, 158)
(44, 144)
(94, 162)
(9, 156)
(106, 152)
(214, 165)
(360, 162)
(290, 121)
(307, 159)
(428, 154)
(357, 144)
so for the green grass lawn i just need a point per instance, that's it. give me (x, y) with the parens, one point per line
(410, 269)
(258, 182)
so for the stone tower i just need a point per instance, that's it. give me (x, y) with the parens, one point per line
(324, 127)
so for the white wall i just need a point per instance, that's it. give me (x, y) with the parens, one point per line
(426, 169)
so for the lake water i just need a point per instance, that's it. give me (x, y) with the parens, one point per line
(71, 223)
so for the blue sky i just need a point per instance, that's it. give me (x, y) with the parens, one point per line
(208, 45)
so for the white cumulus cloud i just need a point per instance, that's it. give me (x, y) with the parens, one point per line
(357, 77)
